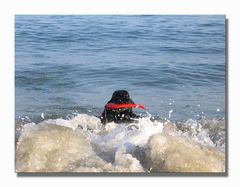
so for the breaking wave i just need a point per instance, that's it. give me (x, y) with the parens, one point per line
(83, 144)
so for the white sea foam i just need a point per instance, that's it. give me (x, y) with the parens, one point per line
(176, 154)
(83, 144)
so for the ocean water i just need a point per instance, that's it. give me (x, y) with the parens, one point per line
(67, 67)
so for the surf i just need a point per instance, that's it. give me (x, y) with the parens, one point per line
(83, 144)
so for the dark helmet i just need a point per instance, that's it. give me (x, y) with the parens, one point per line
(121, 96)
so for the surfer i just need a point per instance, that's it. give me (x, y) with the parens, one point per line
(119, 108)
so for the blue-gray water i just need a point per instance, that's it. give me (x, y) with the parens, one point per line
(68, 64)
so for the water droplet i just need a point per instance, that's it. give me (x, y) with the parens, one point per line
(42, 115)
(169, 114)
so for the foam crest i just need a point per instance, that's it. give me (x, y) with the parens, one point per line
(83, 144)
(45, 147)
(177, 154)
(83, 121)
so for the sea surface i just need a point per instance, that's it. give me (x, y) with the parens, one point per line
(67, 67)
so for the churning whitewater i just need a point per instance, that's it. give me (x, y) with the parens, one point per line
(83, 144)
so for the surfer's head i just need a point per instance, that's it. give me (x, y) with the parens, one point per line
(121, 97)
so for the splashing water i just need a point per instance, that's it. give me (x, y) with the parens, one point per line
(83, 144)
(170, 113)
